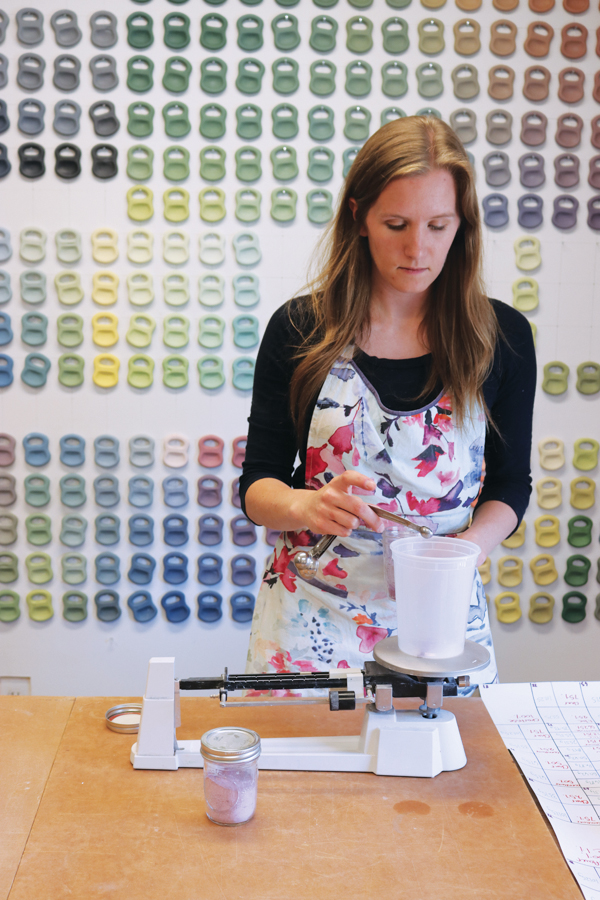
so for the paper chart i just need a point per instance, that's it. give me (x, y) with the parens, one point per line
(552, 730)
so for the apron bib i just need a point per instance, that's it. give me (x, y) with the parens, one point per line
(425, 469)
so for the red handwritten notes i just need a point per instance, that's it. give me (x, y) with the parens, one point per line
(552, 730)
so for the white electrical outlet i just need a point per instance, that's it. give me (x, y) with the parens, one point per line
(15, 685)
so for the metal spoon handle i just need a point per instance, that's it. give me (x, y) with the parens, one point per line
(423, 530)
(307, 562)
(321, 546)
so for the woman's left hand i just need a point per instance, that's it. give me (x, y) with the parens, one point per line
(492, 523)
(467, 536)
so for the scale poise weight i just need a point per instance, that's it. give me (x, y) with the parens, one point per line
(416, 742)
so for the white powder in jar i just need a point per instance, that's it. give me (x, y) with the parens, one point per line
(230, 756)
(230, 792)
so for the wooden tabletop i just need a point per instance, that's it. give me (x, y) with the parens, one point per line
(101, 829)
(31, 729)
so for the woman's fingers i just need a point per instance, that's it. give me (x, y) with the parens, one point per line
(345, 520)
(335, 509)
(356, 479)
(344, 509)
(332, 517)
(370, 518)
(361, 509)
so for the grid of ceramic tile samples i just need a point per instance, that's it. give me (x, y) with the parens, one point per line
(159, 160)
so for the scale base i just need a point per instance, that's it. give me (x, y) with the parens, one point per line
(398, 742)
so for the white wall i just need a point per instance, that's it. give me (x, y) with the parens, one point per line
(99, 658)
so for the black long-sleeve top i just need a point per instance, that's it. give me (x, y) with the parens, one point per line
(509, 392)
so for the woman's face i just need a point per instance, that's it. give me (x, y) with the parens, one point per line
(410, 229)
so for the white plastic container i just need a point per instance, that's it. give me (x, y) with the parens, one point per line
(434, 581)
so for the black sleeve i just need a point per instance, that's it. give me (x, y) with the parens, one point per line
(509, 392)
(272, 444)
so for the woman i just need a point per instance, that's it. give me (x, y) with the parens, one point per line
(392, 379)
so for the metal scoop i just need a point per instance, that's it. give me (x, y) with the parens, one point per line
(423, 530)
(307, 561)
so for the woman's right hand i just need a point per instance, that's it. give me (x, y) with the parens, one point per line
(333, 509)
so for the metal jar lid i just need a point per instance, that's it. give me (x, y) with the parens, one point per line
(124, 719)
(230, 745)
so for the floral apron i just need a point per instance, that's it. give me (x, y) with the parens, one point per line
(424, 468)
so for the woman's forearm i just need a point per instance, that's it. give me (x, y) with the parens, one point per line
(274, 504)
(492, 522)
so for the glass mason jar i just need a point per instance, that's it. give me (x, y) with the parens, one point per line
(393, 532)
(230, 774)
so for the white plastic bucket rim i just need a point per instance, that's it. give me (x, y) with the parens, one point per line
(435, 553)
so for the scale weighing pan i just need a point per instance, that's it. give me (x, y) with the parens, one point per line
(388, 654)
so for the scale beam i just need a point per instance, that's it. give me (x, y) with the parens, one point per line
(373, 674)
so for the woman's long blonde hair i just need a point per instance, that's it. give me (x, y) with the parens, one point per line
(459, 326)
